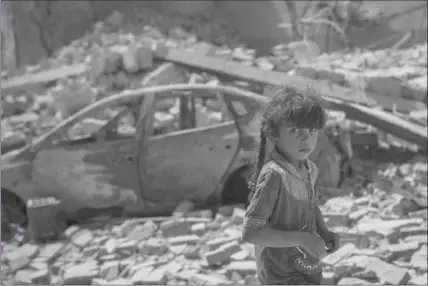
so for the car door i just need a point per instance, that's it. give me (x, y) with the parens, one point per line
(89, 166)
(184, 163)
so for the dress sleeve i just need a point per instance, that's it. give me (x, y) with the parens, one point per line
(264, 199)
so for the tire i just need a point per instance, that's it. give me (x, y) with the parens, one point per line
(12, 213)
(236, 189)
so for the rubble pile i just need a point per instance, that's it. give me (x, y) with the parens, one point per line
(381, 213)
(383, 231)
(117, 55)
(393, 73)
(383, 235)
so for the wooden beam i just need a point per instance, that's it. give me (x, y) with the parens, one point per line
(41, 78)
(237, 70)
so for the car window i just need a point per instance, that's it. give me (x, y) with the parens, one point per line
(120, 120)
(239, 108)
(180, 112)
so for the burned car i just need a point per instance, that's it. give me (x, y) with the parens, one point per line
(125, 152)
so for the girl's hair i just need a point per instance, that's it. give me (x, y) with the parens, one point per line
(287, 104)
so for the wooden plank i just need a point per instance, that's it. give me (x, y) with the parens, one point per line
(40, 78)
(253, 74)
(387, 122)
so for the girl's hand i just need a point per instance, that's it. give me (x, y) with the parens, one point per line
(313, 244)
(332, 240)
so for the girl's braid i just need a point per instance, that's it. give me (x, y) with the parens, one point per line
(260, 160)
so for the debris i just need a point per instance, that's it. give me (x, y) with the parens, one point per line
(379, 211)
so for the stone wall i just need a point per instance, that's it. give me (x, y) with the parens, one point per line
(64, 21)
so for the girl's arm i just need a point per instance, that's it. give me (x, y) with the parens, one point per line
(259, 211)
(321, 225)
(269, 237)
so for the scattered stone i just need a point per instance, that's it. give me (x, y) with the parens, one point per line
(149, 276)
(243, 268)
(80, 274)
(329, 278)
(352, 281)
(222, 254)
(198, 228)
(175, 228)
(419, 259)
(343, 252)
(383, 234)
(389, 273)
(82, 238)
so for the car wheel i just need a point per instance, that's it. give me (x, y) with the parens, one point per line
(236, 189)
(13, 215)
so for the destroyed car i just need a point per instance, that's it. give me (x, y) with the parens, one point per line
(125, 152)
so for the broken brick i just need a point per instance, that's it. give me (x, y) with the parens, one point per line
(82, 238)
(352, 281)
(129, 246)
(419, 259)
(251, 280)
(198, 228)
(414, 230)
(123, 229)
(241, 255)
(110, 270)
(358, 214)
(71, 230)
(201, 214)
(222, 253)
(192, 252)
(183, 208)
(18, 263)
(175, 228)
(23, 277)
(385, 228)
(360, 240)
(238, 216)
(226, 211)
(141, 232)
(154, 246)
(25, 251)
(235, 277)
(149, 276)
(420, 239)
(90, 251)
(215, 243)
(42, 276)
(81, 274)
(51, 251)
(145, 57)
(38, 265)
(334, 219)
(184, 239)
(340, 205)
(419, 280)
(343, 252)
(207, 279)
(146, 266)
(329, 278)
(400, 250)
(243, 268)
(389, 273)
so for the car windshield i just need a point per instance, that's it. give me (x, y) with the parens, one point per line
(88, 126)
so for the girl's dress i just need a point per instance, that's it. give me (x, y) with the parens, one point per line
(284, 200)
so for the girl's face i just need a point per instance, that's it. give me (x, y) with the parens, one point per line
(297, 143)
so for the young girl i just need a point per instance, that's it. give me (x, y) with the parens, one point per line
(283, 220)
